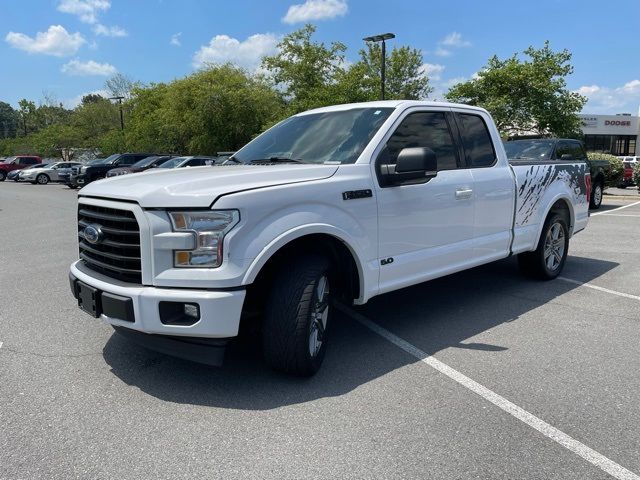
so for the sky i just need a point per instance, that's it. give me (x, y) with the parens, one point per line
(64, 49)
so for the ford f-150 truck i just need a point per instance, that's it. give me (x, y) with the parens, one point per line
(338, 204)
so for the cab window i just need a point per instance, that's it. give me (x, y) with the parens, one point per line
(423, 129)
(477, 142)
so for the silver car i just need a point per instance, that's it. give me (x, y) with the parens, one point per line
(51, 173)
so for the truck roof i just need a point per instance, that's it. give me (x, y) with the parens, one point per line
(390, 104)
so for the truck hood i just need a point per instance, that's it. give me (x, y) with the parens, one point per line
(201, 186)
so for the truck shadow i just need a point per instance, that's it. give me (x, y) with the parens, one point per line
(434, 315)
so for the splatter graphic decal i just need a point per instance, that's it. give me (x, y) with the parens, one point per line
(536, 181)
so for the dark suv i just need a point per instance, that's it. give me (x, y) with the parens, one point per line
(17, 163)
(141, 165)
(558, 149)
(80, 176)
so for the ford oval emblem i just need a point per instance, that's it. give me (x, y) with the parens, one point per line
(92, 233)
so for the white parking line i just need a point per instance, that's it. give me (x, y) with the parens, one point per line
(579, 448)
(602, 289)
(621, 215)
(608, 212)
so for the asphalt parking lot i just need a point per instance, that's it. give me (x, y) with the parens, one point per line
(483, 374)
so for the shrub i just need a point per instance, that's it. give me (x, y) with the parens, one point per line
(636, 175)
(614, 176)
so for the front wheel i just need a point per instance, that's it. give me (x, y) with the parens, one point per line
(547, 261)
(42, 179)
(596, 196)
(298, 311)
(2, 176)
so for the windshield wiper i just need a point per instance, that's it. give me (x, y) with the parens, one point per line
(277, 160)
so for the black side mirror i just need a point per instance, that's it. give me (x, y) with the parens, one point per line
(414, 165)
(566, 156)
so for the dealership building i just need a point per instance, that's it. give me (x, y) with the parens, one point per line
(615, 134)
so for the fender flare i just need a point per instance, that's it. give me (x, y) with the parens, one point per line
(572, 216)
(298, 232)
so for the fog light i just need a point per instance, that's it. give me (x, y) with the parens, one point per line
(191, 310)
(179, 313)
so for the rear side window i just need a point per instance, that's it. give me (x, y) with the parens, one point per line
(196, 162)
(128, 160)
(28, 161)
(570, 151)
(423, 129)
(477, 142)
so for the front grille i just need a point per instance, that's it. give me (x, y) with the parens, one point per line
(75, 170)
(117, 253)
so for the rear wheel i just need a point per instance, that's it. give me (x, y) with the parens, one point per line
(42, 179)
(547, 261)
(297, 316)
(596, 196)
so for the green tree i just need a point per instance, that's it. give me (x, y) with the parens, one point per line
(219, 108)
(93, 120)
(27, 116)
(305, 70)
(405, 78)
(8, 121)
(526, 96)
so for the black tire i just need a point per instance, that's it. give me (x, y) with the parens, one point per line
(42, 179)
(596, 196)
(535, 264)
(2, 176)
(291, 316)
(72, 187)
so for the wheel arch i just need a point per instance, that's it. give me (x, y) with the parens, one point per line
(563, 206)
(312, 238)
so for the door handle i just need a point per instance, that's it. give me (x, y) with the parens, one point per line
(463, 193)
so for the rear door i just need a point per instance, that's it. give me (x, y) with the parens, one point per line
(494, 188)
(425, 229)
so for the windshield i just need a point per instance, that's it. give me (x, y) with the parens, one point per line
(110, 159)
(330, 137)
(9, 160)
(174, 162)
(532, 149)
(145, 162)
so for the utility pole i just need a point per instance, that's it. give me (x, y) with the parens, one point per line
(383, 67)
(119, 99)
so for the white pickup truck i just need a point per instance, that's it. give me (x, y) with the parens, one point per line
(336, 204)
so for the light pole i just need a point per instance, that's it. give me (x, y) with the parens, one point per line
(120, 104)
(381, 38)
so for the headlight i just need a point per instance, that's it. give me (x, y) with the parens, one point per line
(209, 228)
(83, 169)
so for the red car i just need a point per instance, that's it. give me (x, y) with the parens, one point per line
(17, 163)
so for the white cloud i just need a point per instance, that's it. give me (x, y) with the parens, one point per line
(315, 10)
(86, 10)
(454, 39)
(55, 41)
(623, 99)
(78, 68)
(75, 101)
(175, 39)
(442, 52)
(433, 70)
(113, 31)
(247, 53)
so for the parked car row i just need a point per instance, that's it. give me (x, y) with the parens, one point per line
(31, 168)
(17, 162)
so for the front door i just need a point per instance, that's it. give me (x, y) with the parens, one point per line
(426, 229)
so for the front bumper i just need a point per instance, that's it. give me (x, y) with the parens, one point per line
(220, 310)
(78, 180)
